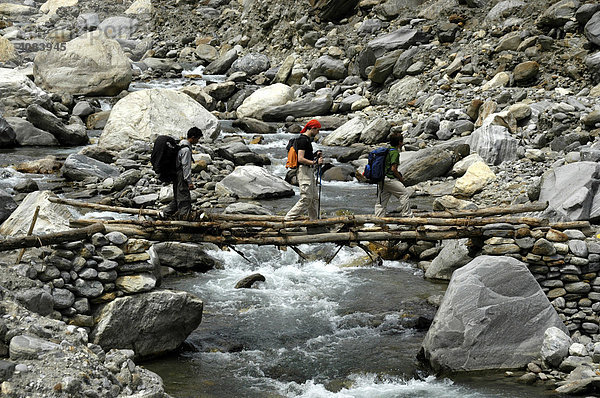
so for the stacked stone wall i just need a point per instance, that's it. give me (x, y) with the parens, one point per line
(564, 261)
(80, 275)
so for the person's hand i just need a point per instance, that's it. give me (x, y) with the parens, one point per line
(320, 160)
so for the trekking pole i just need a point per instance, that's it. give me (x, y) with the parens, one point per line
(319, 203)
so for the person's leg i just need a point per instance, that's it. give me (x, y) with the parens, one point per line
(398, 189)
(171, 208)
(313, 195)
(304, 181)
(184, 199)
(382, 199)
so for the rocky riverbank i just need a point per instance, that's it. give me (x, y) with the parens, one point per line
(497, 101)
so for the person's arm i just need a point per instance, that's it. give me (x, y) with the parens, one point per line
(186, 166)
(303, 160)
(397, 174)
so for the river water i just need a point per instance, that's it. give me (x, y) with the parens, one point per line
(312, 329)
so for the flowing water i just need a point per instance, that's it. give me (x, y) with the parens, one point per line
(312, 329)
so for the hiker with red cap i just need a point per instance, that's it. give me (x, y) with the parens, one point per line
(307, 160)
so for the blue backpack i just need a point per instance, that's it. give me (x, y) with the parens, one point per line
(375, 169)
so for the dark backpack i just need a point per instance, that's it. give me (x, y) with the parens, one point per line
(375, 169)
(164, 158)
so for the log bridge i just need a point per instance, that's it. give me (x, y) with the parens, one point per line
(229, 230)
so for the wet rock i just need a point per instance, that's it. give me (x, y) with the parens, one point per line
(247, 282)
(79, 167)
(339, 173)
(150, 324)
(7, 205)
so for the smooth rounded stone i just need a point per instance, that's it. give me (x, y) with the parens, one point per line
(574, 234)
(498, 250)
(246, 208)
(594, 296)
(29, 347)
(36, 300)
(63, 298)
(554, 235)
(116, 238)
(579, 261)
(561, 248)
(571, 269)
(593, 246)
(109, 276)
(107, 265)
(131, 284)
(248, 281)
(578, 287)
(570, 278)
(559, 302)
(98, 239)
(528, 378)
(555, 293)
(578, 350)
(552, 283)
(584, 303)
(539, 269)
(525, 243)
(112, 253)
(578, 248)
(89, 289)
(543, 247)
(7, 369)
(88, 273)
(59, 262)
(526, 71)
(82, 305)
(590, 327)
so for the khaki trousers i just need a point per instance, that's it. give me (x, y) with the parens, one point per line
(396, 188)
(309, 200)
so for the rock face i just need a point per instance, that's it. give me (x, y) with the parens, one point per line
(150, 324)
(489, 319)
(91, 64)
(51, 218)
(143, 115)
(571, 191)
(253, 182)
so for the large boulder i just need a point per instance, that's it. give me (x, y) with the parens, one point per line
(150, 324)
(253, 182)
(309, 107)
(572, 191)
(426, 164)
(47, 121)
(489, 319)
(143, 115)
(251, 64)
(454, 254)
(347, 134)
(91, 64)
(264, 98)
(494, 143)
(52, 217)
(18, 91)
(78, 167)
(403, 91)
(478, 175)
(27, 134)
(592, 29)
(184, 256)
(376, 131)
(331, 68)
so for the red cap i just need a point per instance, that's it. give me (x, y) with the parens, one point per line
(312, 124)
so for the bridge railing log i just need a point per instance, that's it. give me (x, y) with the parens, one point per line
(18, 242)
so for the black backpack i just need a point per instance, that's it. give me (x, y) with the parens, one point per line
(164, 158)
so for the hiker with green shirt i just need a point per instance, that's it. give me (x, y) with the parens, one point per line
(392, 183)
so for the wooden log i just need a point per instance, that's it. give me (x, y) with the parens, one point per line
(31, 227)
(570, 225)
(96, 206)
(50, 239)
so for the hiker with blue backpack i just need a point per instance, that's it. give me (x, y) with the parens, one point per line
(383, 168)
(173, 163)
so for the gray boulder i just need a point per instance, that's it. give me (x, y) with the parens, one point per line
(401, 38)
(79, 167)
(247, 282)
(36, 300)
(331, 68)
(592, 29)
(504, 9)
(572, 191)
(150, 324)
(489, 319)
(30, 347)
(312, 106)
(253, 182)
(494, 144)
(251, 64)
(45, 120)
(376, 131)
(184, 256)
(223, 63)
(426, 164)
(27, 134)
(557, 15)
(339, 173)
(454, 254)
(8, 137)
(555, 346)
